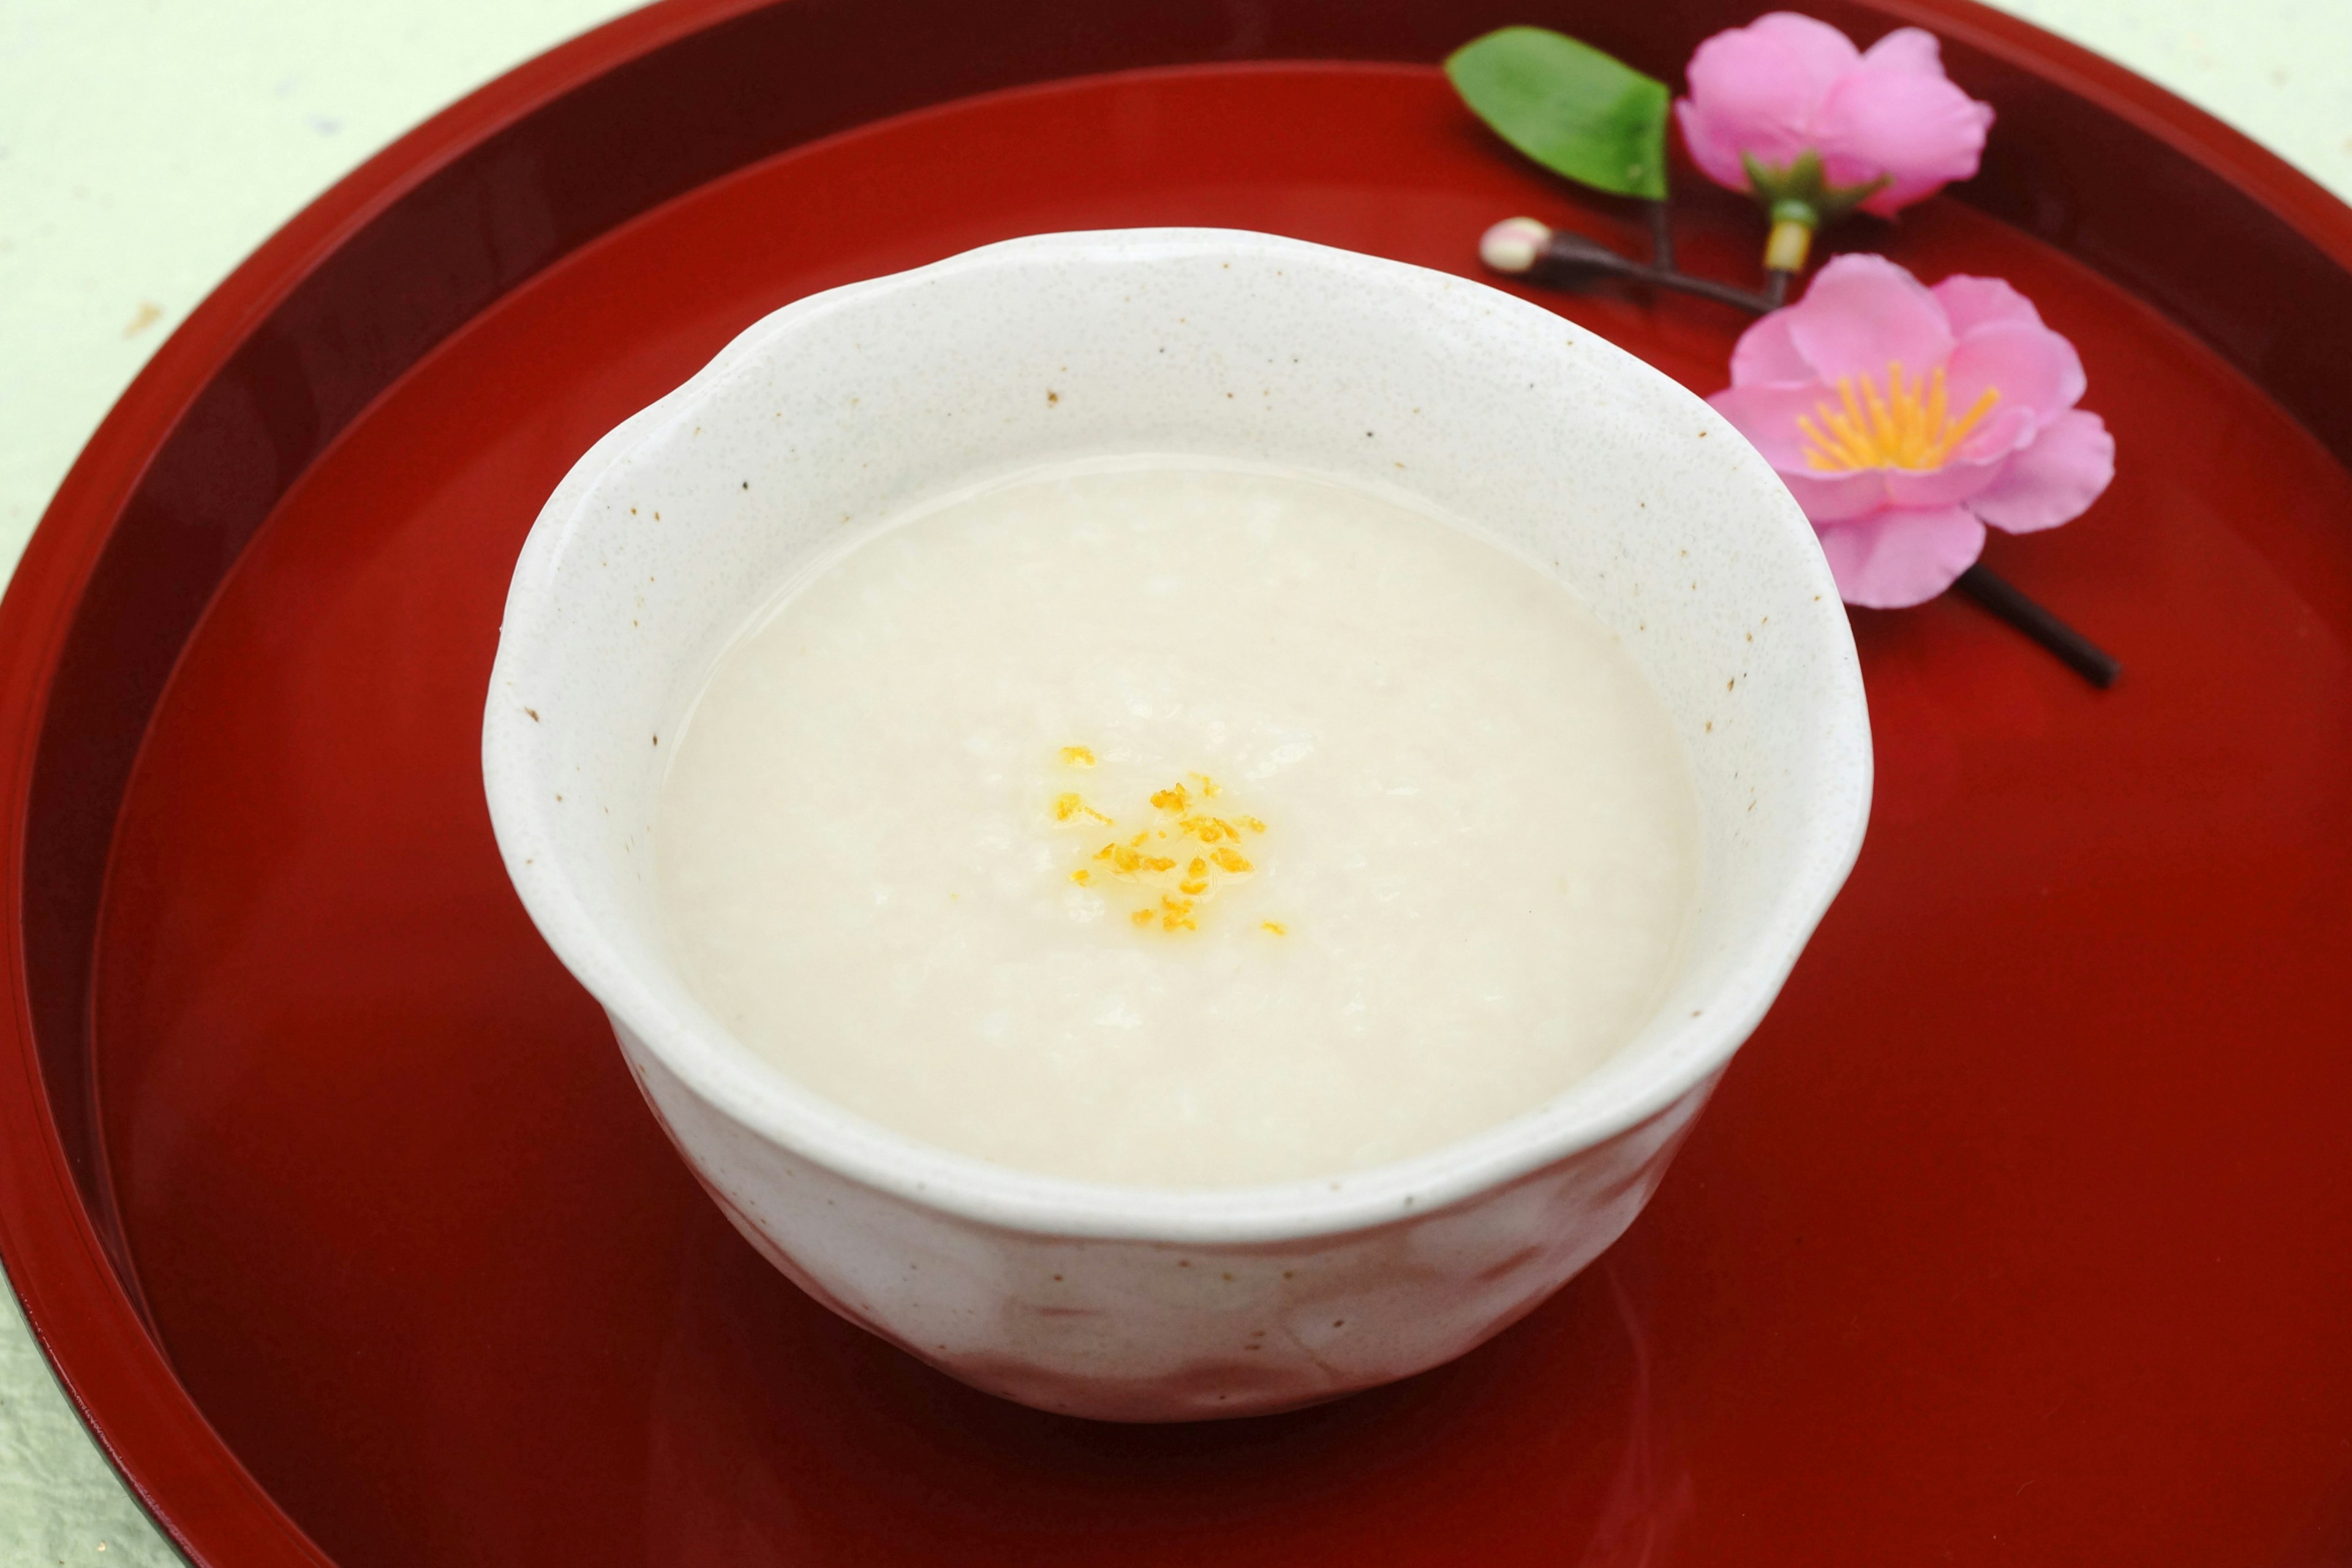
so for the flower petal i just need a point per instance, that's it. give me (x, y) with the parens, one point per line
(1955, 482)
(1766, 355)
(1821, 52)
(1899, 557)
(1754, 89)
(1767, 416)
(1911, 50)
(2012, 425)
(1921, 131)
(2054, 480)
(2031, 367)
(1973, 302)
(1711, 145)
(1864, 312)
(1837, 498)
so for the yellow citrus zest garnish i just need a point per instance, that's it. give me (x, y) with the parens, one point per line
(1066, 807)
(1184, 883)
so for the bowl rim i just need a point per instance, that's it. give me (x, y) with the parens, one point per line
(759, 1097)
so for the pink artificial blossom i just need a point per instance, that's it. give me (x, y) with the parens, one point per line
(1904, 419)
(1786, 85)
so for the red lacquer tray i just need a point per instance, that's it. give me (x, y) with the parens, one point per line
(2021, 1234)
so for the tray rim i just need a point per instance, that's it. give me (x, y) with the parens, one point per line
(89, 1326)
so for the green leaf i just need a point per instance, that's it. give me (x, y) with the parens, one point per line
(1577, 112)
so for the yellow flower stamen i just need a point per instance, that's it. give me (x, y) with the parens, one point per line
(1908, 425)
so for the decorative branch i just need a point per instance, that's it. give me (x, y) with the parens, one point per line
(1523, 248)
(2008, 601)
(1662, 237)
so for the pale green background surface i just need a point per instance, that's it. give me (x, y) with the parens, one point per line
(146, 146)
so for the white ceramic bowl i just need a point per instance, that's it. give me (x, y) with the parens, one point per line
(1156, 1305)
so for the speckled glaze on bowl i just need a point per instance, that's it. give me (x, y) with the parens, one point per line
(1156, 1305)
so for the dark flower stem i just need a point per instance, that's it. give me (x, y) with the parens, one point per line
(2005, 599)
(1567, 260)
(1661, 238)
